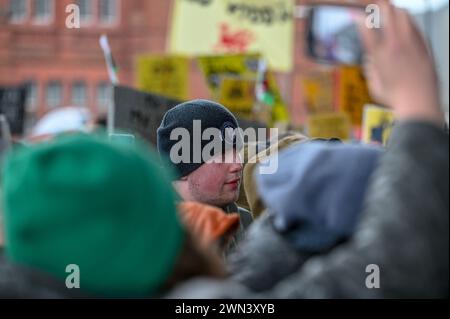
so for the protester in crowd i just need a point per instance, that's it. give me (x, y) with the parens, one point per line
(213, 228)
(201, 179)
(106, 209)
(130, 221)
(251, 193)
(404, 229)
(277, 144)
(68, 119)
(402, 235)
(249, 151)
(314, 201)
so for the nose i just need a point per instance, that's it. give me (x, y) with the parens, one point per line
(237, 165)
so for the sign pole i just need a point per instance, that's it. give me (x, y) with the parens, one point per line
(112, 72)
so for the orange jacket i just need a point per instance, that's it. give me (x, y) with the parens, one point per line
(211, 225)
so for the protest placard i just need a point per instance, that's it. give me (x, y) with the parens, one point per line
(235, 26)
(12, 105)
(352, 92)
(165, 75)
(238, 95)
(329, 125)
(244, 67)
(139, 112)
(377, 124)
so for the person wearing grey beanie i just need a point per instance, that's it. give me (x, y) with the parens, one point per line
(206, 157)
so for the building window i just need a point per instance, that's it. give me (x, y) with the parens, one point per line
(103, 96)
(18, 10)
(43, 10)
(54, 94)
(109, 11)
(86, 13)
(32, 96)
(79, 96)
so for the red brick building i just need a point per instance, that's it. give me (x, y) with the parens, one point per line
(66, 66)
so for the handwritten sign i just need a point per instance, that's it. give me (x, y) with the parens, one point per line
(352, 93)
(140, 113)
(237, 94)
(165, 75)
(318, 89)
(235, 26)
(329, 125)
(12, 105)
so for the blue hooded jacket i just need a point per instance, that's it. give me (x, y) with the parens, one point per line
(318, 191)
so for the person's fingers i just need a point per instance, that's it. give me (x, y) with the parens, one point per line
(414, 36)
(373, 80)
(405, 25)
(368, 66)
(411, 30)
(368, 36)
(388, 23)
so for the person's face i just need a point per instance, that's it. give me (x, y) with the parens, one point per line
(217, 183)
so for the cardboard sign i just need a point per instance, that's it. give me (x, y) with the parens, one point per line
(235, 26)
(352, 92)
(12, 105)
(245, 67)
(318, 90)
(238, 95)
(140, 113)
(377, 124)
(165, 75)
(234, 65)
(329, 125)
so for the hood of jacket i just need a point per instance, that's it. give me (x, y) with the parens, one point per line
(318, 191)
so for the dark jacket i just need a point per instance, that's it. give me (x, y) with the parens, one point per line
(314, 200)
(24, 283)
(404, 228)
(245, 219)
(264, 257)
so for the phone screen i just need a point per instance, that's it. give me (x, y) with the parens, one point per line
(333, 35)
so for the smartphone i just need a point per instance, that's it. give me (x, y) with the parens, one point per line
(332, 35)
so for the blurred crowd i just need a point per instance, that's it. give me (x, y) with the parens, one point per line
(335, 220)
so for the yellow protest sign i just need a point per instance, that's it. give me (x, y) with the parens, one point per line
(165, 75)
(235, 26)
(352, 92)
(245, 67)
(237, 94)
(318, 90)
(329, 125)
(377, 124)
(236, 65)
(280, 111)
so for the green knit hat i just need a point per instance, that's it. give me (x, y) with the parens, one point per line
(108, 208)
